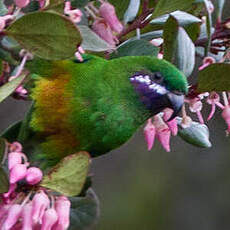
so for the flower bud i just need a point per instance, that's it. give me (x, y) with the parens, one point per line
(17, 173)
(149, 132)
(33, 175)
(62, 206)
(49, 218)
(12, 217)
(40, 202)
(14, 158)
(226, 116)
(107, 11)
(171, 124)
(27, 222)
(163, 133)
(21, 3)
(102, 29)
(75, 15)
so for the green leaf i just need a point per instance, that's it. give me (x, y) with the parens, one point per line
(4, 181)
(132, 10)
(79, 3)
(190, 23)
(215, 77)
(91, 41)
(220, 7)
(84, 211)
(3, 9)
(197, 134)
(182, 18)
(11, 133)
(68, 176)
(168, 6)
(178, 47)
(55, 39)
(6, 56)
(8, 88)
(136, 47)
(3, 148)
(56, 6)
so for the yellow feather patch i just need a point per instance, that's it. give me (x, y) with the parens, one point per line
(51, 114)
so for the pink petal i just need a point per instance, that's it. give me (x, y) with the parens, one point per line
(21, 3)
(13, 216)
(49, 218)
(107, 11)
(33, 175)
(149, 132)
(17, 173)
(27, 217)
(14, 158)
(164, 137)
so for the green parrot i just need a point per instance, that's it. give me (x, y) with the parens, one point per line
(97, 105)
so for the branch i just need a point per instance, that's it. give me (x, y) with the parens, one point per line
(140, 22)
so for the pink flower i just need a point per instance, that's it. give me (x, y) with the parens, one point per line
(149, 132)
(226, 116)
(75, 15)
(214, 100)
(21, 3)
(163, 133)
(107, 11)
(14, 158)
(171, 124)
(33, 175)
(40, 202)
(195, 106)
(103, 30)
(17, 173)
(49, 218)
(27, 222)
(206, 62)
(12, 217)
(62, 206)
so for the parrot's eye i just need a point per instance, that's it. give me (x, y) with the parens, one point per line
(156, 77)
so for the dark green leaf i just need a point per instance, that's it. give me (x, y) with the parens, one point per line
(11, 133)
(138, 47)
(56, 6)
(92, 41)
(215, 77)
(197, 134)
(132, 10)
(84, 211)
(168, 6)
(3, 148)
(8, 88)
(79, 3)
(68, 176)
(4, 181)
(6, 56)
(31, 7)
(178, 47)
(3, 9)
(55, 39)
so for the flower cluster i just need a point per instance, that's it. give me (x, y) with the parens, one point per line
(26, 205)
(105, 24)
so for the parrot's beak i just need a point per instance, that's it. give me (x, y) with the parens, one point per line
(176, 102)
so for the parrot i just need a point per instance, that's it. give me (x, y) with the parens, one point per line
(98, 104)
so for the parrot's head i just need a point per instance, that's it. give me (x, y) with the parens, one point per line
(160, 85)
